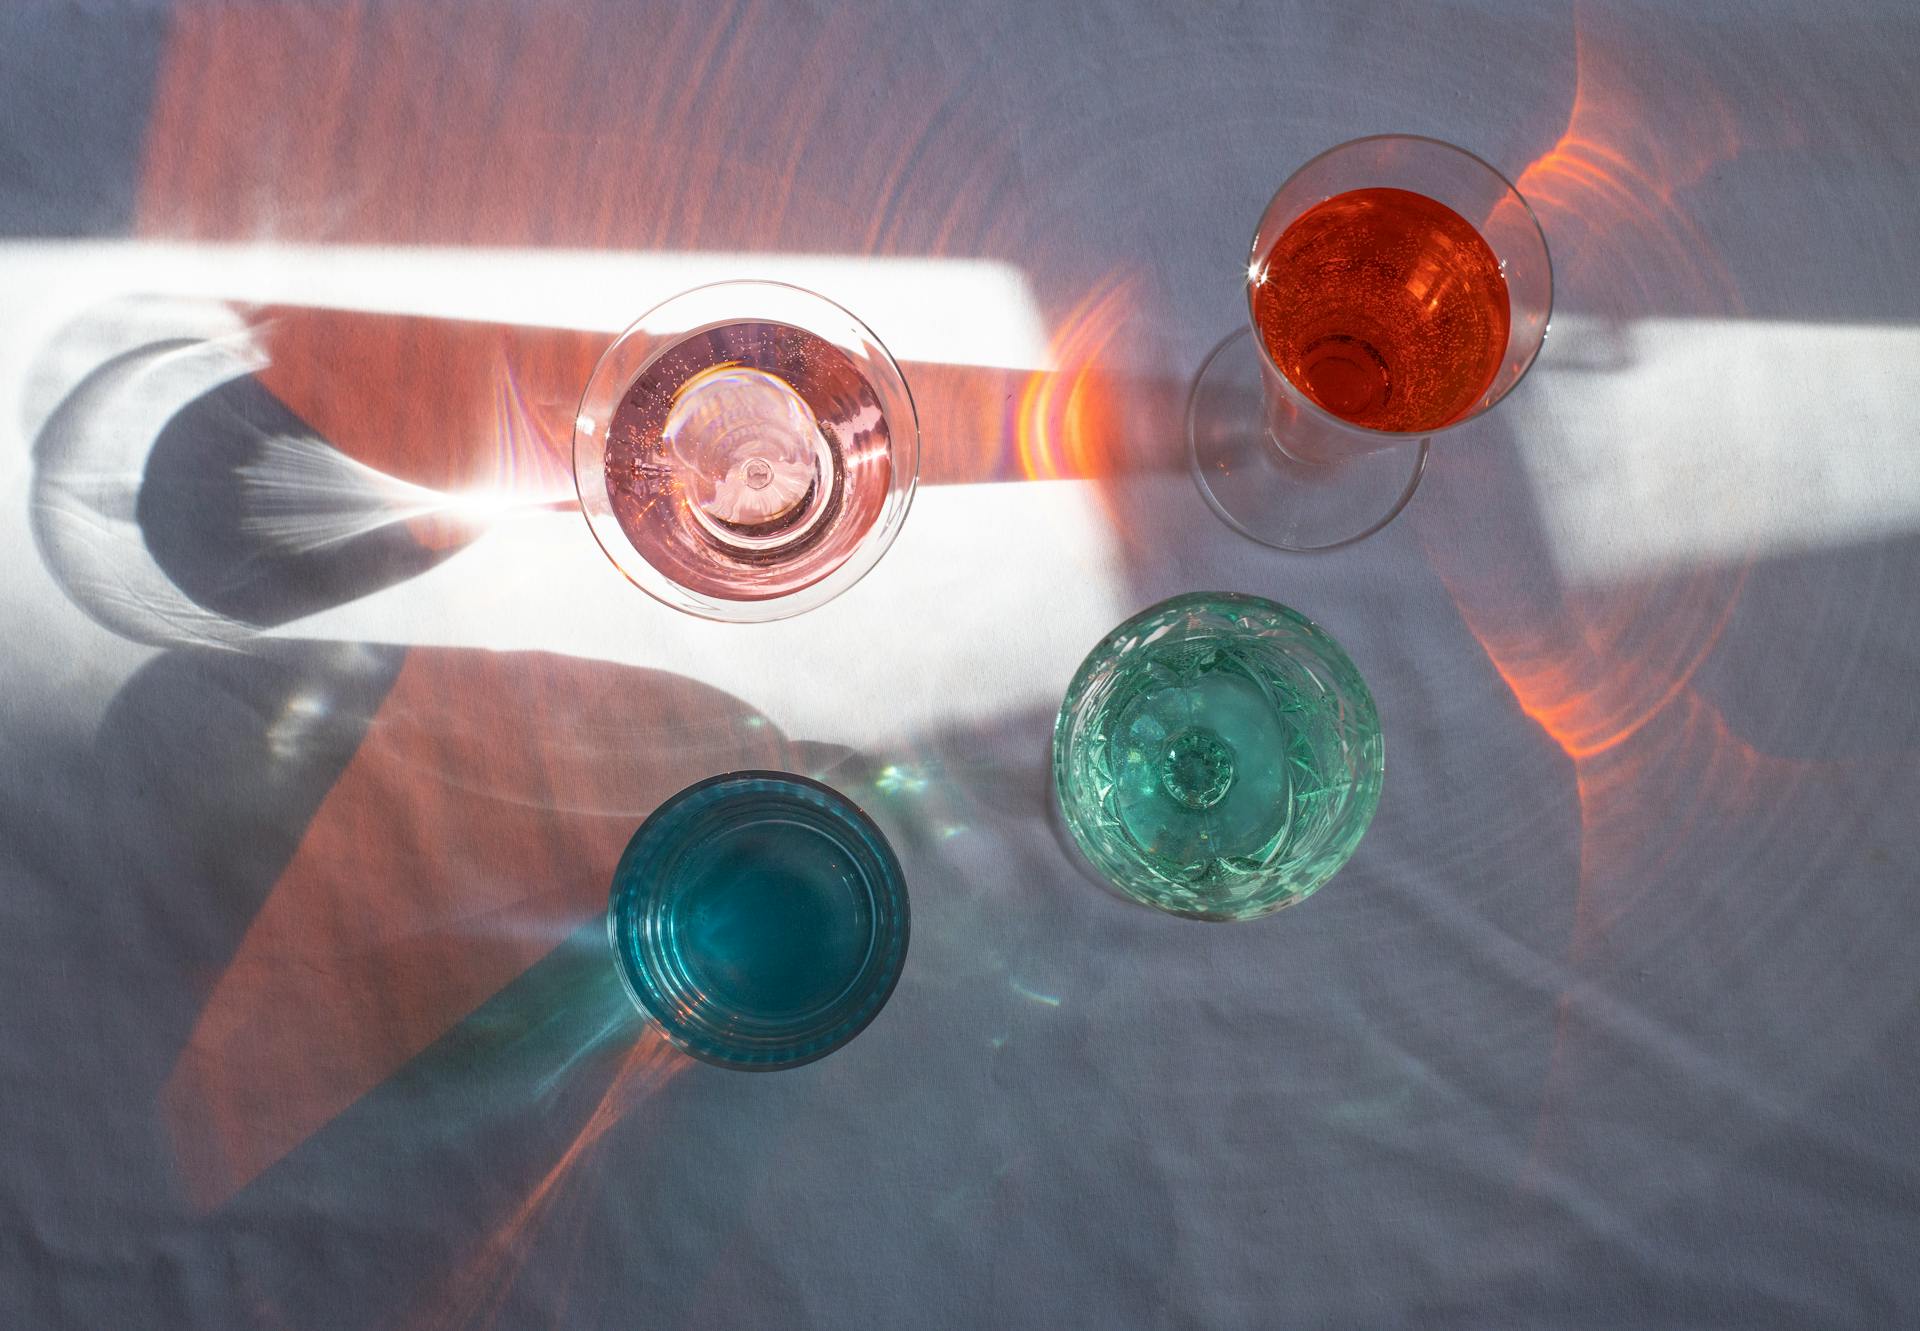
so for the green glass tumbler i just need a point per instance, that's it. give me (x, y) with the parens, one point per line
(1218, 756)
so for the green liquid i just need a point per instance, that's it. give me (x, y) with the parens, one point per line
(1218, 756)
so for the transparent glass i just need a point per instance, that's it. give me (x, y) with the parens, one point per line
(1218, 756)
(1275, 463)
(746, 451)
(760, 918)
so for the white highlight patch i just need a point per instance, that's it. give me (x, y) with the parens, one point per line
(939, 635)
(1669, 443)
(951, 311)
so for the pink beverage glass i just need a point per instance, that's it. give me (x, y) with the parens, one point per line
(746, 451)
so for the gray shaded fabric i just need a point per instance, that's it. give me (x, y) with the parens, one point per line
(1611, 1021)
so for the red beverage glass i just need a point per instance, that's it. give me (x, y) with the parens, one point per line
(1397, 289)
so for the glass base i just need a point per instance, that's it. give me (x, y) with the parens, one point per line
(1263, 493)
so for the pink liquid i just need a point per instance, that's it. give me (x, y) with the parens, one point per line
(748, 461)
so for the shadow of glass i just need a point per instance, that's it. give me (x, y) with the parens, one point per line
(254, 535)
(175, 500)
(1611, 755)
(214, 764)
(400, 852)
(530, 1082)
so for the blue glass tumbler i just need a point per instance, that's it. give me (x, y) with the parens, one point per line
(760, 918)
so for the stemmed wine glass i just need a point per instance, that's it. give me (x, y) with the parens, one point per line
(1218, 756)
(746, 451)
(1398, 287)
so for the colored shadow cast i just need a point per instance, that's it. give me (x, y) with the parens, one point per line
(472, 830)
(1610, 664)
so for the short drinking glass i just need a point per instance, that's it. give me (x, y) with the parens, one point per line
(760, 918)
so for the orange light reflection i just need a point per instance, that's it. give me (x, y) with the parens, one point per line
(1608, 671)
(468, 410)
(452, 853)
(542, 133)
(1609, 191)
(1592, 665)
(1066, 425)
(476, 1294)
(476, 824)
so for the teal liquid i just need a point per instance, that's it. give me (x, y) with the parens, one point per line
(760, 918)
(770, 920)
(1218, 756)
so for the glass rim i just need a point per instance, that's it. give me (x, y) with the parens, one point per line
(904, 449)
(884, 964)
(1299, 398)
(1314, 630)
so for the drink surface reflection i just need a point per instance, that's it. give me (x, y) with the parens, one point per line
(746, 450)
(748, 461)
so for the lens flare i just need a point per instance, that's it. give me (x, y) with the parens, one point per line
(1065, 425)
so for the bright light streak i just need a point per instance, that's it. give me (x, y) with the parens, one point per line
(1034, 995)
(987, 646)
(1670, 443)
(306, 495)
(949, 311)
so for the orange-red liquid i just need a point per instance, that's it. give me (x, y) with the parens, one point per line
(1385, 307)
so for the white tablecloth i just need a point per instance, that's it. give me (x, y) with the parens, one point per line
(323, 719)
